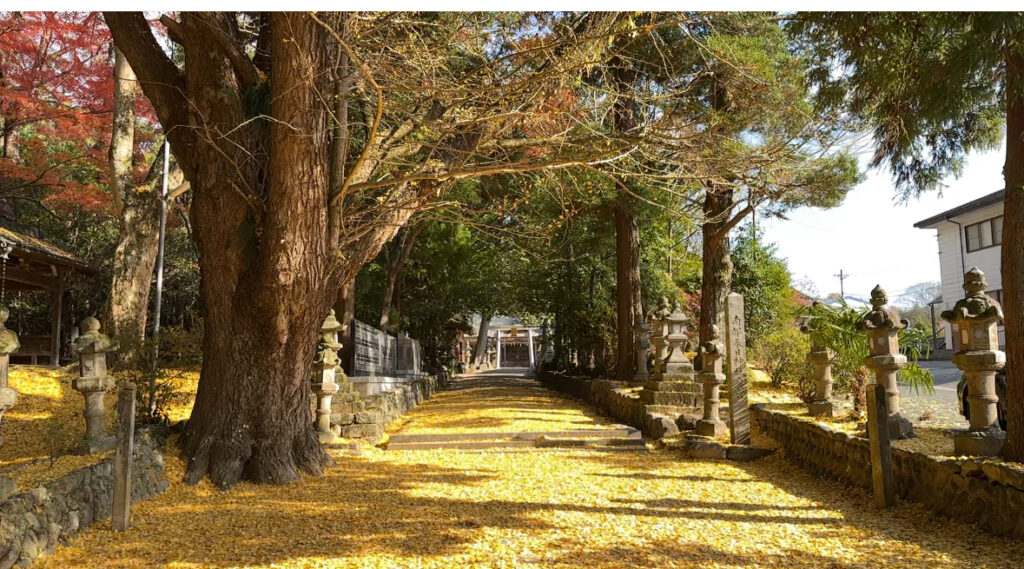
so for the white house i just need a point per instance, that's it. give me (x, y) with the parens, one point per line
(969, 235)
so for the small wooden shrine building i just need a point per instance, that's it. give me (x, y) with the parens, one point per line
(33, 264)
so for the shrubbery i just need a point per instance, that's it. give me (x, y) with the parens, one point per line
(783, 356)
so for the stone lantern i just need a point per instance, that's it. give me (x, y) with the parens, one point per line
(642, 346)
(659, 337)
(821, 359)
(674, 386)
(8, 343)
(885, 359)
(325, 368)
(92, 347)
(976, 318)
(712, 377)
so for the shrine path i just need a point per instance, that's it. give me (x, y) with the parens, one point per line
(528, 507)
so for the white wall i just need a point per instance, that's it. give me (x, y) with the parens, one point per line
(952, 271)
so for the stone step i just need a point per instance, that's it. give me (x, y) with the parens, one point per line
(597, 443)
(618, 431)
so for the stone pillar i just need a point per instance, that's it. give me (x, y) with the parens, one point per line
(8, 343)
(643, 346)
(659, 339)
(976, 318)
(121, 517)
(885, 359)
(325, 368)
(675, 386)
(529, 337)
(821, 359)
(712, 377)
(93, 383)
(736, 359)
(497, 361)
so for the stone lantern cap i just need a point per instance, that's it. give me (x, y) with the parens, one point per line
(880, 318)
(713, 346)
(882, 329)
(976, 305)
(92, 341)
(329, 330)
(676, 320)
(8, 339)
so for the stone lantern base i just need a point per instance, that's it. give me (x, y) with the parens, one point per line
(679, 391)
(979, 443)
(713, 429)
(821, 409)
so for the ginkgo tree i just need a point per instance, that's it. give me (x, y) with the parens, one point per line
(309, 139)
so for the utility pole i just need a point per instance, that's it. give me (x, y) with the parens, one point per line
(842, 277)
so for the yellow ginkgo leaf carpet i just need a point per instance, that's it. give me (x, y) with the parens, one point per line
(532, 508)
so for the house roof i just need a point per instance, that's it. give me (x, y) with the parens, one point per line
(990, 199)
(35, 247)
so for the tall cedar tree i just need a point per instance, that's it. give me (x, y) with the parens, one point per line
(932, 88)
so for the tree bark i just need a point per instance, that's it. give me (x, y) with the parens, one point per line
(1013, 252)
(394, 265)
(134, 258)
(345, 310)
(480, 349)
(627, 287)
(716, 274)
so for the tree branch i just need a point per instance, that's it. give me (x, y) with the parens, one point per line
(160, 79)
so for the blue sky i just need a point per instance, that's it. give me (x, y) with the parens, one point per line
(872, 237)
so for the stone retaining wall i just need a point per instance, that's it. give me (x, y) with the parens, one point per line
(986, 493)
(35, 521)
(365, 418)
(621, 404)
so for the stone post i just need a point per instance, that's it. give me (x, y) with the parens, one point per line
(736, 357)
(643, 346)
(325, 367)
(821, 359)
(885, 359)
(975, 319)
(8, 344)
(122, 512)
(882, 479)
(497, 360)
(675, 386)
(92, 347)
(712, 377)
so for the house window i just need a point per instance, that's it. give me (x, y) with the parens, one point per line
(988, 233)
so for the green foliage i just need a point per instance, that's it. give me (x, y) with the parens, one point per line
(835, 328)
(157, 388)
(782, 354)
(764, 281)
(930, 86)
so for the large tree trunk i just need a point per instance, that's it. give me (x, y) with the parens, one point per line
(266, 291)
(716, 275)
(480, 349)
(135, 255)
(627, 287)
(1013, 253)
